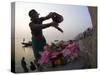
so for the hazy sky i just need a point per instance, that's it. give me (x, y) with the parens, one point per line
(76, 20)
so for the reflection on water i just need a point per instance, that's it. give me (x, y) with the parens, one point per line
(20, 52)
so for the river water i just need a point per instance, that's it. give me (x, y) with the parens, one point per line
(21, 52)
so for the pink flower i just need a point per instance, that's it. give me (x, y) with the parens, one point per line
(71, 50)
(44, 57)
(54, 54)
(46, 47)
(66, 52)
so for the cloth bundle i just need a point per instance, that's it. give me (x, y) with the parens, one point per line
(57, 18)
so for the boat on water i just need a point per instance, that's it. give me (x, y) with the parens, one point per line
(27, 44)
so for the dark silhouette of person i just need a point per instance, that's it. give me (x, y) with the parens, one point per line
(36, 26)
(23, 64)
(32, 66)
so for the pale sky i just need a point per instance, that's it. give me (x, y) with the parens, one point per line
(76, 20)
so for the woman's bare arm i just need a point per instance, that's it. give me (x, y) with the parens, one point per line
(41, 26)
(47, 17)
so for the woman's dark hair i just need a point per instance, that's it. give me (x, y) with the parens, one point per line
(23, 58)
(31, 12)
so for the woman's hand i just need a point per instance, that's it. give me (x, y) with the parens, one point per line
(54, 24)
(50, 15)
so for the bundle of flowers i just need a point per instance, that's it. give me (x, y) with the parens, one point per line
(59, 53)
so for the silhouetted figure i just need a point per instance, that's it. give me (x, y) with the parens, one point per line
(36, 26)
(23, 64)
(32, 66)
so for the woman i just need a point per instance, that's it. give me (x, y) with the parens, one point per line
(36, 26)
